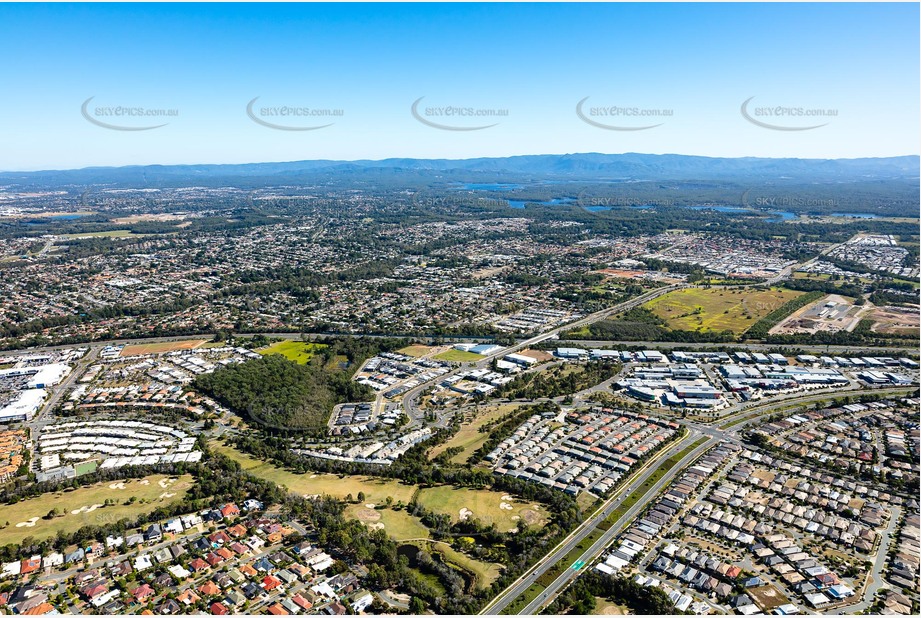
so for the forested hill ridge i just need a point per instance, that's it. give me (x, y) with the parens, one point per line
(579, 166)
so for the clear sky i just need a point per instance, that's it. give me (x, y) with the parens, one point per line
(536, 61)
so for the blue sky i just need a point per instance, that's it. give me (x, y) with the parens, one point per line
(697, 64)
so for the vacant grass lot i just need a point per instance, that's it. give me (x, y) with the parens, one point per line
(415, 350)
(482, 504)
(469, 437)
(718, 309)
(161, 347)
(458, 356)
(26, 518)
(376, 491)
(297, 351)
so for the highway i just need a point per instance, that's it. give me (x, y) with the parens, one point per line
(598, 546)
(500, 602)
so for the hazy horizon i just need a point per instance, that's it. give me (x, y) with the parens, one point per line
(459, 159)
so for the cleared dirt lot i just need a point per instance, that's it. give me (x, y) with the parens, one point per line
(896, 320)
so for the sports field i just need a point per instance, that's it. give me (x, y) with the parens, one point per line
(490, 507)
(86, 506)
(376, 491)
(718, 309)
(469, 437)
(161, 346)
(458, 356)
(297, 351)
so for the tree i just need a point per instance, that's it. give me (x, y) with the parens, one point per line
(416, 606)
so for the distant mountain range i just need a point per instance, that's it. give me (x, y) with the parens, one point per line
(575, 167)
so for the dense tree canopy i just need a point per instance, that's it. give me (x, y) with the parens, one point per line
(280, 394)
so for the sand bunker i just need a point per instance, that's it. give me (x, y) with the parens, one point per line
(370, 506)
(507, 497)
(313, 476)
(143, 482)
(117, 485)
(86, 509)
(513, 530)
(167, 494)
(531, 517)
(465, 514)
(375, 525)
(505, 506)
(29, 523)
(367, 515)
(516, 517)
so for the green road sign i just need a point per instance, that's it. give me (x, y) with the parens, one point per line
(578, 564)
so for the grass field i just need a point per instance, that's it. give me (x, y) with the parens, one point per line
(468, 436)
(161, 347)
(718, 309)
(339, 362)
(297, 351)
(376, 491)
(603, 607)
(482, 504)
(522, 601)
(26, 518)
(458, 356)
(399, 525)
(415, 350)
